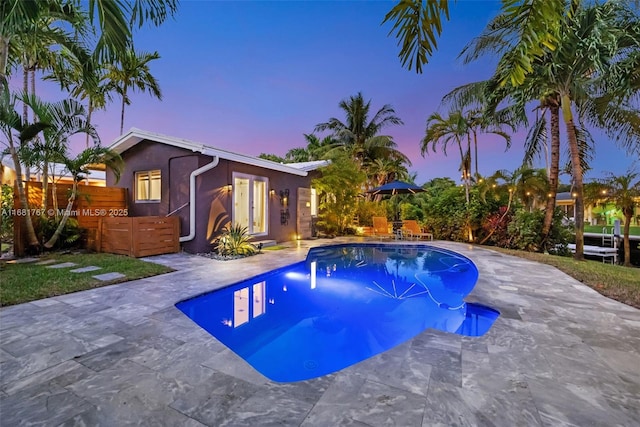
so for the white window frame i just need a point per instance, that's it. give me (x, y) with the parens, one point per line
(148, 174)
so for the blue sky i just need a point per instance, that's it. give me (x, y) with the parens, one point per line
(253, 77)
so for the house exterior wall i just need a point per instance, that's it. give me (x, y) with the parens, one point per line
(213, 200)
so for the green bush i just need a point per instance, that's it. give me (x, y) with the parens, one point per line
(524, 231)
(339, 188)
(6, 226)
(235, 241)
(72, 234)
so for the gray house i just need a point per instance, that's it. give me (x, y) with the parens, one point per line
(209, 188)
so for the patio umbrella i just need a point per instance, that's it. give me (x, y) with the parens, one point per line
(396, 187)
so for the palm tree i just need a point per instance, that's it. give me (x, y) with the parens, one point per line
(623, 191)
(357, 127)
(359, 136)
(88, 83)
(115, 21)
(444, 130)
(78, 168)
(13, 127)
(593, 41)
(315, 149)
(418, 23)
(65, 119)
(132, 72)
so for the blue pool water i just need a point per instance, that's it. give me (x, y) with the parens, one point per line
(342, 305)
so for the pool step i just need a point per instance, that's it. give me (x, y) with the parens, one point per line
(265, 243)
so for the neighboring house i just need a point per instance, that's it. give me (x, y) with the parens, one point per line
(57, 172)
(209, 188)
(597, 213)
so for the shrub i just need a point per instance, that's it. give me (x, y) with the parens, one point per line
(496, 228)
(524, 231)
(6, 224)
(235, 241)
(71, 236)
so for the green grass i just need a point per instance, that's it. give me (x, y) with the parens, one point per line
(633, 230)
(613, 281)
(28, 282)
(5, 247)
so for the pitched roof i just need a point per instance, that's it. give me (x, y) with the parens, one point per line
(134, 136)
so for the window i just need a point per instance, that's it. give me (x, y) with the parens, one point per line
(250, 202)
(148, 186)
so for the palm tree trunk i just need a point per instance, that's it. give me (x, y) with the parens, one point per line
(32, 239)
(464, 174)
(89, 113)
(124, 96)
(56, 235)
(33, 81)
(45, 184)
(4, 56)
(475, 152)
(576, 169)
(554, 171)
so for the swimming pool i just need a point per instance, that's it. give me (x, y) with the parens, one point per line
(342, 305)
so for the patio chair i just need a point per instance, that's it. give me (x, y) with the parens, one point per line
(413, 230)
(381, 228)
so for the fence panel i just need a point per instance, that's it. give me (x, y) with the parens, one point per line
(91, 203)
(139, 236)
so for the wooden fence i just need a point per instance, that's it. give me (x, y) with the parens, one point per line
(91, 204)
(139, 236)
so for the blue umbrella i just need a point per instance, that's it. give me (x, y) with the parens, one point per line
(397, 187)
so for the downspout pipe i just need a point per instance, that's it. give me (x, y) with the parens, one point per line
(192, 197)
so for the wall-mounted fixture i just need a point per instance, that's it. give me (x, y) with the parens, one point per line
(284, 197)
(228, 188)
(272, 192)
(284, 216)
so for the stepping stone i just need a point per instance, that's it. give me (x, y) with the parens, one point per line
(86, 269)
(22, 260)
(46, 262)
(108, 276)
(63, 265)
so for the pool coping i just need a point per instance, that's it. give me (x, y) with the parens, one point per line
(560, 353)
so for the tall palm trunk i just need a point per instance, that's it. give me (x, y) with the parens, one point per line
(4, 56)
(32, 239)
(576, 171)
(89, 114)
(464, 173)
(67, 212)
(124, 97)
(475, 152)
(554, 170)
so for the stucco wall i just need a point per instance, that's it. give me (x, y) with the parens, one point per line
(214, 201)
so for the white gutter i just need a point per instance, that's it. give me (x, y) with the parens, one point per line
(192, 197)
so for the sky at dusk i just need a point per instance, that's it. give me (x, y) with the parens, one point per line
(253, 77)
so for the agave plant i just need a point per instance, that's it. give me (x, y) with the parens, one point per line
(234, 241)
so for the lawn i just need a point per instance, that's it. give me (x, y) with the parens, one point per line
(613, 281)
(633, 230)
(27, 282)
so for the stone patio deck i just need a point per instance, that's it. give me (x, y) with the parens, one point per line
(560, 354)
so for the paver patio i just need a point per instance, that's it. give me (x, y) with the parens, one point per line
(559, 354)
